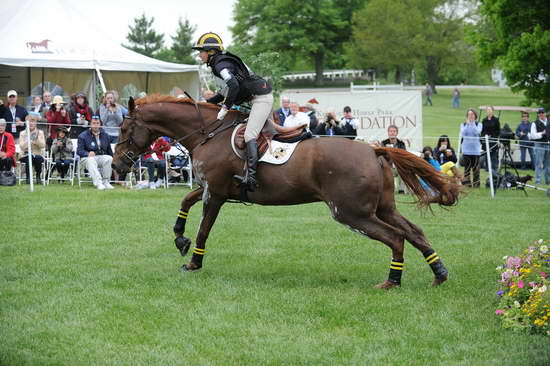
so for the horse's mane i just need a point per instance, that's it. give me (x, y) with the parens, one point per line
(159, 98)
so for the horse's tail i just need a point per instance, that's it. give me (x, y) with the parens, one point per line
(412, 169)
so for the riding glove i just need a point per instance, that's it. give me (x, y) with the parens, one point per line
(222, 113)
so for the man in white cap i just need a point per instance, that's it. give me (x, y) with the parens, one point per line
(15, 115)
(94, 148)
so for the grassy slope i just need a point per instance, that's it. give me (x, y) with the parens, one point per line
(91, 277)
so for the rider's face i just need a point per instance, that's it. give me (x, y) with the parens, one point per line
(203, 55)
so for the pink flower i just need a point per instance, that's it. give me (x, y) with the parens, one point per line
(499, 311)
(520, 284)
(515, 273)
(543, 274)
(513, 262)
(532, 284)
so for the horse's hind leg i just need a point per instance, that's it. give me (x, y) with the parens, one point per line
(387, 211)
(183, 243)
(376, 229)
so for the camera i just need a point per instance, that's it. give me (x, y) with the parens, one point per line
(506, 135)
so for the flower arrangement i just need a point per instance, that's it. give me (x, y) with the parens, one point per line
(524, 289)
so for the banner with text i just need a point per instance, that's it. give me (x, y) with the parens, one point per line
(374, 111)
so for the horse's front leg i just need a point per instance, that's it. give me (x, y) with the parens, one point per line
(211, 208)
(183, 243)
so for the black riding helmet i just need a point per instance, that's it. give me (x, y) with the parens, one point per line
(209, 41)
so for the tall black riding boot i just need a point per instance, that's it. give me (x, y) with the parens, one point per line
(249, 181)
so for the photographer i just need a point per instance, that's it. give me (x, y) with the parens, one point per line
(57, 116)
(111, 116)
(81, 114)
(62, 151)
(443, 151)
(94, 148)
(427, 154)
(330, 126)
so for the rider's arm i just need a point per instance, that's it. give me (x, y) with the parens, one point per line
(225, 70)
(218, 98)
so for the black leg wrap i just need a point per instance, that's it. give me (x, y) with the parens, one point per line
(179, 227)
(436, 264)
(183, 244)
(396, 270)
(198, 255)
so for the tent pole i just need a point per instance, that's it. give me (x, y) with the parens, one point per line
(29, 82)
(101, 80)
(42, 82)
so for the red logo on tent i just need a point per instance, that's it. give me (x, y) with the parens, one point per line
(39, 47)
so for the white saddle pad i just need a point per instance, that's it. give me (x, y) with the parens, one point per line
(277, 153)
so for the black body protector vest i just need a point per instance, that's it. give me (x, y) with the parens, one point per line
(243, 85)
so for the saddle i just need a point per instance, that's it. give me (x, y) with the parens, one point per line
(268, 134)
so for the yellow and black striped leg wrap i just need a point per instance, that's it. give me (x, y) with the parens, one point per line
(198, 255)
(179, 227)
(436, 264)
(396, 270)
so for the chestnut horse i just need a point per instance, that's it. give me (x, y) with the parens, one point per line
(354, 179)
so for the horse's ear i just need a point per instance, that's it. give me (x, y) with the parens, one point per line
(131, 105)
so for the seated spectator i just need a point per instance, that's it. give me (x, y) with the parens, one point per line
(349, 124)
(57, 116)
(94, 149)
(470, 131)
(443, 151)
(155, 159)
(392, 140)
(62, 151)
(329, 127)
(427, 154)
(448, 168)
(15, 115)
(80, 114)
(296, 118)
(38, 142)
(284, 111)
(525, 144)
(7, 148)
(111, 116)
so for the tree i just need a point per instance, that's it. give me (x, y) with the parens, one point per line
(143, 38)
(404, 34)
(182, 43)
(515, 36)
(314, 29)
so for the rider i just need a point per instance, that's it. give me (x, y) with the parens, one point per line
(242, 85)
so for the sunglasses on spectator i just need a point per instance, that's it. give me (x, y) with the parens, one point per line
(11, 96)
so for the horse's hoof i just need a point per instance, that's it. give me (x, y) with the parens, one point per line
(183, 244)
(439, 280)
(386, 285)
(190, 267)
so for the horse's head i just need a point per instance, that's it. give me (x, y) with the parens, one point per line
(134, 139)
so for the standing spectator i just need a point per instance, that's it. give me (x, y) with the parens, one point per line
(540, 134)
(310, 111)
(525, 144)
(330, 126)
(47, 103)
(348, 123)
(392, 140)
(491, 128)
(429, 92)
(470, 132)
(38, 142)
(80, 114)
(62, 151)
(155, 159)
(94, 148)
(7, 148)
(36, 105)
(15, 114)
(284, 111)
(296, 118)
(111, 116)
(443, 152)
(57, 116)
(456, 98)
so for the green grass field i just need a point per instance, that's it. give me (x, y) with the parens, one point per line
(90, 277)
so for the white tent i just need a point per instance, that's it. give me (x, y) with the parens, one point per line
(49, 44)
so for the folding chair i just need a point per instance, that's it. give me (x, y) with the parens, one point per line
(179, 151)
(70, 172)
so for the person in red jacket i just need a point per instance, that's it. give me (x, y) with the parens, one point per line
(7, 148)
(57, 116)
(156, 160)
(80, 114)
